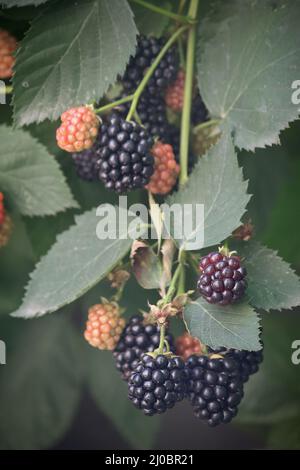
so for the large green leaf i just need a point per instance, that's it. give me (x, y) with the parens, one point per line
(231, 326)
(110, 394)
(39, 385)
(31, 176)
(247, 60)
(21, 3)
(217, 183)
(272, 284)
(149, 22)
(75, 263)
(70, 56)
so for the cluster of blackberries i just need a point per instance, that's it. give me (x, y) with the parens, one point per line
(213, 383)
(222, 280)
(136, 340)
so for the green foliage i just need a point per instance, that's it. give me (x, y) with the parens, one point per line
(39, 388)
(217, 183)
(22, 3)
(75, 263)
(234, 326)
(151, 23)
(272, 283)
(247, 61)
(70, 72)
(31, 176)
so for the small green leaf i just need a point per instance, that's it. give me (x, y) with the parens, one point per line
(231, 326)
(146, 266)
(39, 385)
(272, 284)
(110, 394)
(75, 263)
(211, 184)
(247, 61)
(31, 176)
(85, 45)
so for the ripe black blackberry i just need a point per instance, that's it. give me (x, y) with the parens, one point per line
(248, 361)
(86, 163)
(147, 50)
(125, 160)
(157, 384)
(215, 387)
(222, 280)
(153, 115)
(199, 112)
(136, 340)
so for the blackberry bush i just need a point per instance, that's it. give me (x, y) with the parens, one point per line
(222, 280)
(125, 160)
(157, 383)
(136, 340)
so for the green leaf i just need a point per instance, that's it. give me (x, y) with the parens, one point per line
(146, 266)
(110, 394)
(148, 22)
(21, 3)
(31, 176)
(39, 385)
(247, 61)
(231, 326)
(211, 184)
(85, 45)
(272, 284)
(75, 263)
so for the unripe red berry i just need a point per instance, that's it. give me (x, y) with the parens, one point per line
(187, 345)
(174, 96)
(8, 45)
(104, 326)
(78, 130)
(166, 169)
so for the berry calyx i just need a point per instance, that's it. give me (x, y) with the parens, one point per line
(223, 279)
(104, 326)
(78, 130)
(136, 339)
(8, 45)
(125, 160)
(187, 345)
(174, 96)
(157, 383)
(166, 169)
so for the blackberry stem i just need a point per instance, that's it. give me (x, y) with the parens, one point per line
(151, 70)
(109, 106)
(162, 11)
(162, 331)
(172, 287)
(188, 94)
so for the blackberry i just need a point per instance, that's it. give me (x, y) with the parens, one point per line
(125, 160)
(153, 115)
(157, 384)
(248, 361)
(86, 163)
(222, 280)
(135, 340)
(215, 387)
(147, 50)
(199, 112)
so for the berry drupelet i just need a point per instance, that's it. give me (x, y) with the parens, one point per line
(187, 345)
(147, 50)
(215, 387)
(135, 340)
(166, 169)
(104, 326)
(125, 160)
(157, 383)
(86, 164)
(8, 45)
(222, 280)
